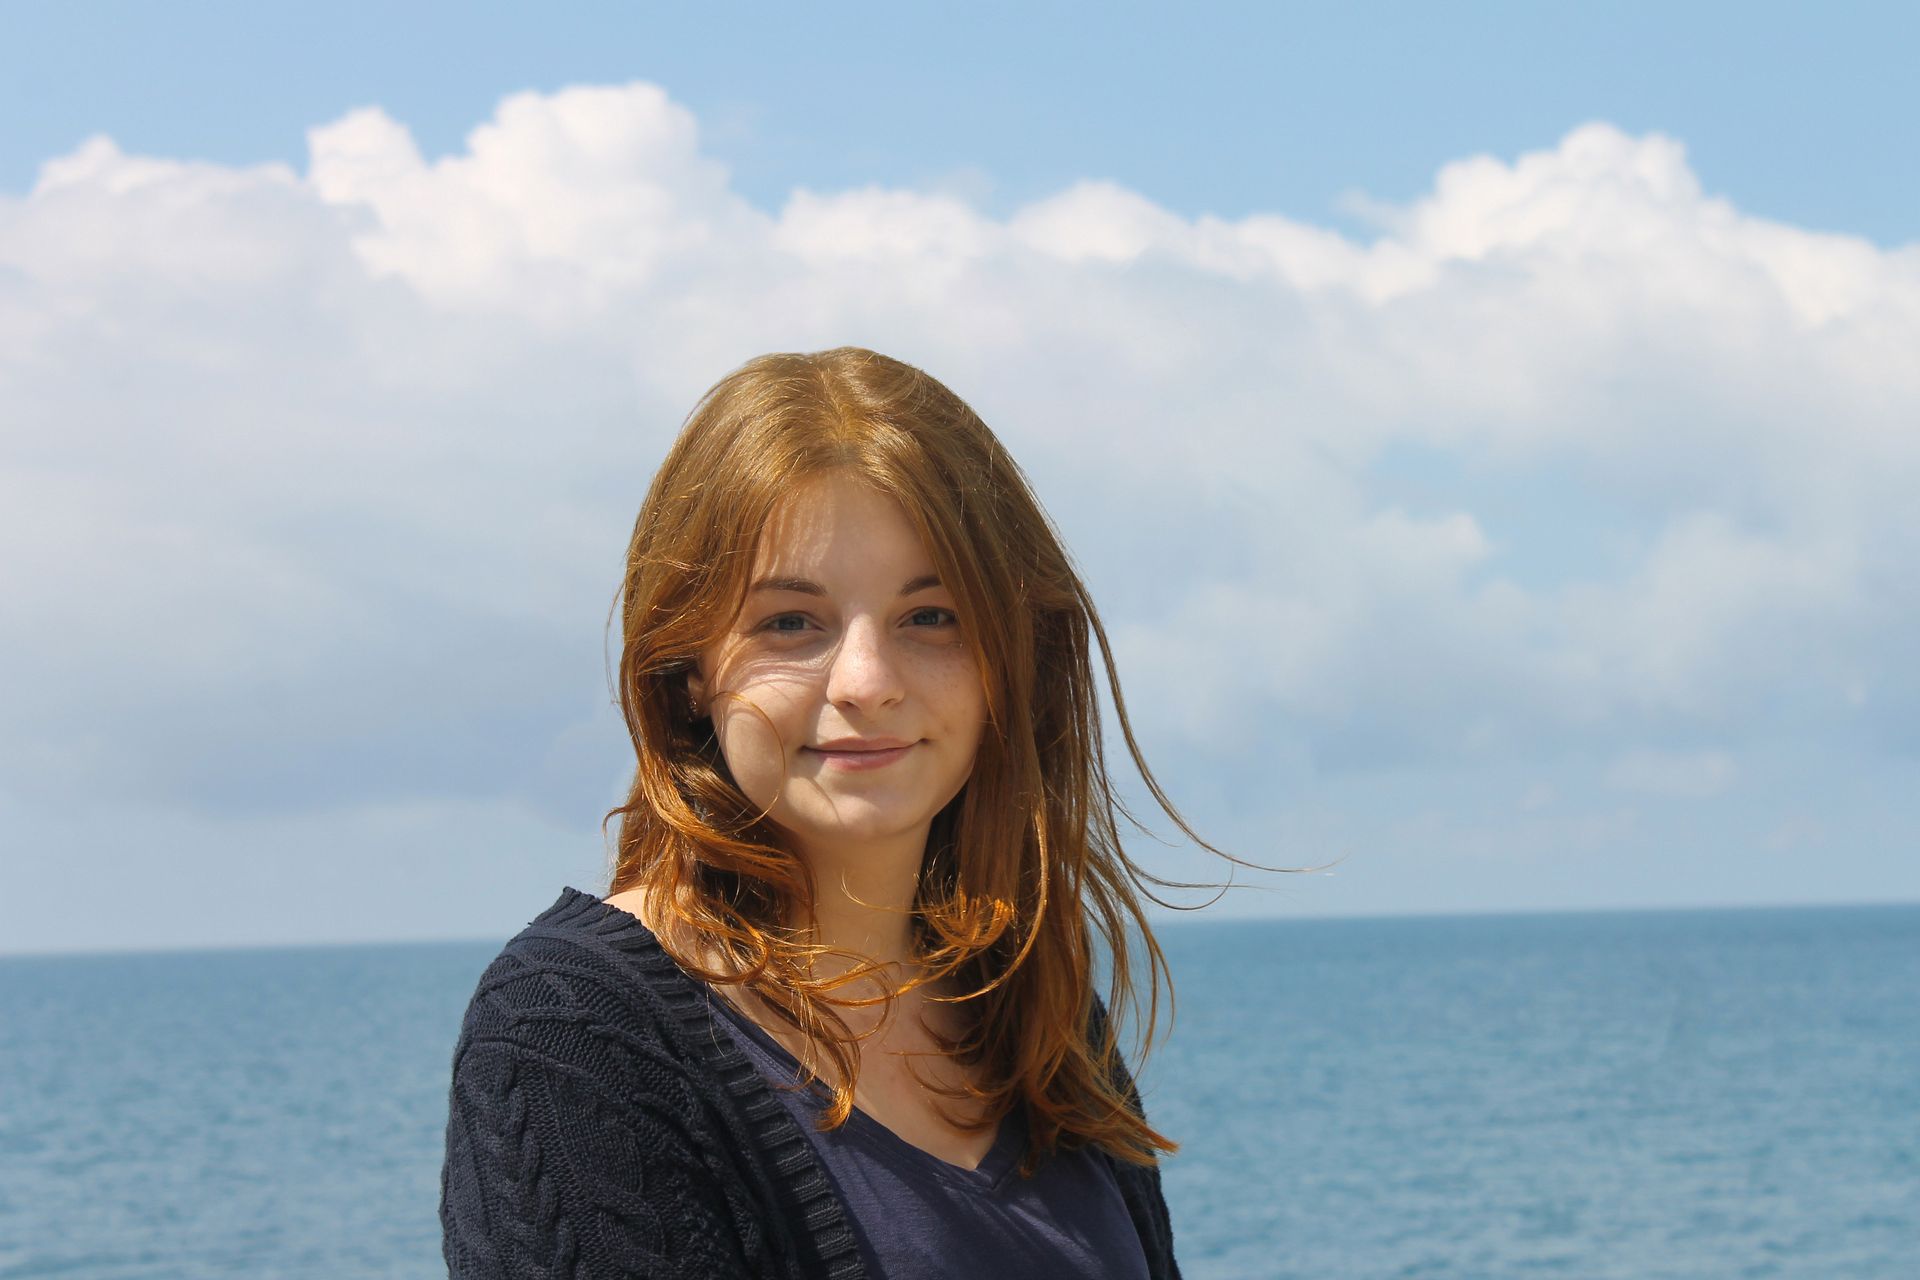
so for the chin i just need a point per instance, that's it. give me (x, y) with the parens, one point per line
(857, 828)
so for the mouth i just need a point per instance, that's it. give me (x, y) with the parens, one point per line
(876, 756)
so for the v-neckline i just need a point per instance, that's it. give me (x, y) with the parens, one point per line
(994, 1166)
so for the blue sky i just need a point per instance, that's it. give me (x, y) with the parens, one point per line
(1490, 434)
(1797, 112)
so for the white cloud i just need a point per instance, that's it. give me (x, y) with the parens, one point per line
(313, 485)
(557, 200)
(1694, 775)
(883, 225)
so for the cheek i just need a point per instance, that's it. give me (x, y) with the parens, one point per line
(751, 746)
(963, 704)
(761, 720)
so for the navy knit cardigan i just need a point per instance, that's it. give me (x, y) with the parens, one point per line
(601, 1125)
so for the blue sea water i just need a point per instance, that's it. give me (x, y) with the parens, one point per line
(1646, 1095)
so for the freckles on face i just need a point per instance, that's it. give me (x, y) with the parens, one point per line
(845, 700)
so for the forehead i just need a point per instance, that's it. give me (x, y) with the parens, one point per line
(837, 522)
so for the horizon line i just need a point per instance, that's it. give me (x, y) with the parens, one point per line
(1161, 919)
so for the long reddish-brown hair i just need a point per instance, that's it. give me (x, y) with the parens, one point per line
(1022, 868)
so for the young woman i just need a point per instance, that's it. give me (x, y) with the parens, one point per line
(837, 1016)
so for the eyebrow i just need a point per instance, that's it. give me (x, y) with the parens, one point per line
(807, 587)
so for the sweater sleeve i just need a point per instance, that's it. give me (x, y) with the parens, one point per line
(1140, 1188)
(1139, 1184)
(575, 1144)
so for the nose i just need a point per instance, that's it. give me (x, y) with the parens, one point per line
(862, 673)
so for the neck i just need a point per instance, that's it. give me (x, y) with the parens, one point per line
(863, 898)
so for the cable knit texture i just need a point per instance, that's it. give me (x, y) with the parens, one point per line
(601, 1125)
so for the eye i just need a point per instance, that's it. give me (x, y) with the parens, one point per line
(785, 623)
(933, 617)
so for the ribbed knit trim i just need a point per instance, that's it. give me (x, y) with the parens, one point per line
(819, 1220)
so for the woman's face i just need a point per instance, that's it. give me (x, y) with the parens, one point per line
(844, 699)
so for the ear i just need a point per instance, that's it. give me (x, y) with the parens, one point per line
(697, 687)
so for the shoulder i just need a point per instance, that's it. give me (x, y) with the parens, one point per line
(586, 993)
(566, 953)
(581, 1120)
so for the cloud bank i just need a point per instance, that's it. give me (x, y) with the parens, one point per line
(313, 486)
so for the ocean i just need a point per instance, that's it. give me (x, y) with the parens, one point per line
(1638, 1094)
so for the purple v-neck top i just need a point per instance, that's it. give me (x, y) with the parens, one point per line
(918, 1217)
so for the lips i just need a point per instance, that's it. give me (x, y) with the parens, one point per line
(862, 744)
(870, 753)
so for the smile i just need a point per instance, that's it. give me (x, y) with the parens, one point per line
(848, 758)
